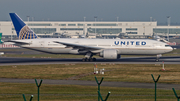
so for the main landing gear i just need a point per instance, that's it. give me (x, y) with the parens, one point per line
(88, 57)
(157, 57)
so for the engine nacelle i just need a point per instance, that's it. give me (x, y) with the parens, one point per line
(110, 54)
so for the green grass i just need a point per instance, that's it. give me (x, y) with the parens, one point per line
(118, 72)
(14, 91)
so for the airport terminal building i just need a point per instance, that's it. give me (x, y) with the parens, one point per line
(100, 29)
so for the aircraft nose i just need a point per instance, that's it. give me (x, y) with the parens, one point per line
(171, 49)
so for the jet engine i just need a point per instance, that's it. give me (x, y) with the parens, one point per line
(110, 54)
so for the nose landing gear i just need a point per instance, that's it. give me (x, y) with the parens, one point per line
(157, 57)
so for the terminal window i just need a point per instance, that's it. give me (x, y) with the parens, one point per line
(105, 30)
(62, 24)
(80, 24)
(131, 28)
(105, 24)
(131, 32)
(71, 29)
(39, 24)
(71, 24)
(44, 30)
(165, 30)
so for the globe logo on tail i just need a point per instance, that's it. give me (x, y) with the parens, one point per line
(27, 33)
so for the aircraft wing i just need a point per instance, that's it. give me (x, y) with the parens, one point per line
(77, 46)
(17, 42)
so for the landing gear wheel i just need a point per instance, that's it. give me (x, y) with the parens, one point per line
(94, 59)
(90, 59)
(87, 59)
(84, 59)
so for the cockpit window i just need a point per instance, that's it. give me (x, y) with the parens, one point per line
(161, 40)
(167, 46)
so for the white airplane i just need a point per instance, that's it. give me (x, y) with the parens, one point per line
(106, 48)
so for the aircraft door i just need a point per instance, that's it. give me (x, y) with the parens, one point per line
(41, 43)
(154, 45)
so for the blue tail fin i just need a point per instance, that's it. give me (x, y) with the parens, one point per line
(22, 30)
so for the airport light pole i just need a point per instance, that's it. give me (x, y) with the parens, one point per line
(168, 20)
(28, 18)
(95, 23)
(84, 26)
(11, 35)
(84, 19)
(12, 32)
(117, 19)
(150, 19)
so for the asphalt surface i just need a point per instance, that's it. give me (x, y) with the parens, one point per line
(93, 83)
(129, 60)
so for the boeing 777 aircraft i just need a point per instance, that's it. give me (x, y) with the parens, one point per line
(106, 48)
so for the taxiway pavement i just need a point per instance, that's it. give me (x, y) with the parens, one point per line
(126, 60)
(93, 83)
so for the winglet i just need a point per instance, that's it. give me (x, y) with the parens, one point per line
(22, 30)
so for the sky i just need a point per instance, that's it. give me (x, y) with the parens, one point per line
(104, 10)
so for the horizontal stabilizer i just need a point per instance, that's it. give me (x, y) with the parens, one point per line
(18, 42)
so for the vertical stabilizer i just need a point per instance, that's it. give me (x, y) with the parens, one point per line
(0, 38)
(22, 30)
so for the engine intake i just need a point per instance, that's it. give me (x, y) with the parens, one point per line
(110, 54)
